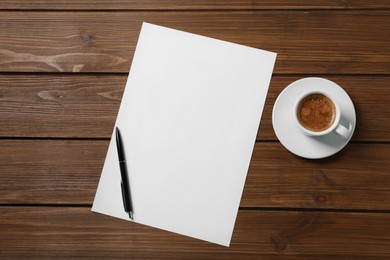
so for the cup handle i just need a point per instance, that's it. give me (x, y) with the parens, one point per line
(343, 131)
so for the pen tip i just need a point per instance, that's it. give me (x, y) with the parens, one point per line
(131, 215)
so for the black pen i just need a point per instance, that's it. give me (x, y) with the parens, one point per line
(125, 185)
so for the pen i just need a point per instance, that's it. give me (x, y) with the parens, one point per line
(125, 185)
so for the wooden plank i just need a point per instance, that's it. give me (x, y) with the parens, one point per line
(67, 172)
(356, 177)
(370, 95)
(188, 5)
(309, 42)
(50, 171)
(85, 106)
(59, 106)
(47, 233)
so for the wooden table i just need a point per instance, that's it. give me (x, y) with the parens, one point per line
(63, 68)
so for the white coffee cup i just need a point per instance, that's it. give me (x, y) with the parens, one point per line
(310, 106)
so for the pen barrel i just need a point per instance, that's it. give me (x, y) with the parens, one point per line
(127, 204)
(125, 201)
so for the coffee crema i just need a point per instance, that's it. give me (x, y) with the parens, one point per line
(316, 112)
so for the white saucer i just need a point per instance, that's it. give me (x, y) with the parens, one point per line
(288, 132)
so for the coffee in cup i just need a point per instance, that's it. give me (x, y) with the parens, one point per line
(317, 113)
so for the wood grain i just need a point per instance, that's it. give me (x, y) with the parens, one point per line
(67, 172)
(45, 232)
(59, 106)
(189, 5)
(358, 177)
(50, 171)
(308, 42)
(63, 68)
(85, 106)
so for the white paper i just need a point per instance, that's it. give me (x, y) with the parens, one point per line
(189, 119)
